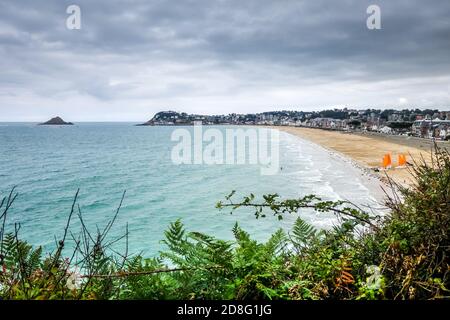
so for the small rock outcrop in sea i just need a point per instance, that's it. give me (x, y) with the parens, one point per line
(56, 121)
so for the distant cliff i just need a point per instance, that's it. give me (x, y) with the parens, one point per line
(56, 121)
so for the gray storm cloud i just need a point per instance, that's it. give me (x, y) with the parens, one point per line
(133, 58)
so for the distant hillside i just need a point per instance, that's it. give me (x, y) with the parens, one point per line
(400, 121)
(167, 118)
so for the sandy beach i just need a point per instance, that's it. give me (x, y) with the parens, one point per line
(368, 150)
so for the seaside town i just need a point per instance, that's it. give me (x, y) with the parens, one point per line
(432, 124)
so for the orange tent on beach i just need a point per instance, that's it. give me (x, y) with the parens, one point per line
(401, 160)
(387, 161)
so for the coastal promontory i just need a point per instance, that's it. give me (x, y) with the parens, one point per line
(167, 118)
(172, 118)
(56, 121)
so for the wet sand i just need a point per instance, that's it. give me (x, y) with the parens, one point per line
(367, 150)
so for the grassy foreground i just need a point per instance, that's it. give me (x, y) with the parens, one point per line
(403, 255)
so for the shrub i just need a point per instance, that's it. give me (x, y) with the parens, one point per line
(404, 255)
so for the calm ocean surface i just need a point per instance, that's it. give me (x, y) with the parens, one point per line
(48, 164)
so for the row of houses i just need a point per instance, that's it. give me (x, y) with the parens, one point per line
(426, 128)
(359, 121)
(327, 123)
(437, 128)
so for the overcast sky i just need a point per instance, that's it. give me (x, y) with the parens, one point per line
(134, 58)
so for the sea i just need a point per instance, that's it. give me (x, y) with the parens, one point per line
(48, 164)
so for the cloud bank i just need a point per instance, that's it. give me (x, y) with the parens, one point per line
(134, 58)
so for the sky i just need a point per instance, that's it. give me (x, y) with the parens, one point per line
(131, 59)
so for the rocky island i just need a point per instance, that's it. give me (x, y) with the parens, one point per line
(56, 121)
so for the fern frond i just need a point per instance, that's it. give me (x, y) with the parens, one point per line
(276, 242)
(34, 260)
(175, 237)
(239, 234)
(302, 232)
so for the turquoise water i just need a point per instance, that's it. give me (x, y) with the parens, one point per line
(48, 164)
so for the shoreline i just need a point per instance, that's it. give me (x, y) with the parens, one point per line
(368, 178)
(364, 151)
